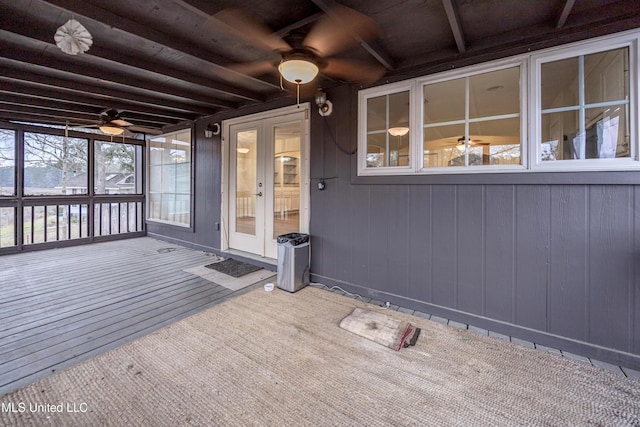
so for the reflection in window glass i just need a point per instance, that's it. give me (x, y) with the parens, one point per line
(473, 121)
(54, 164)
(7, 162)
(115, 168)
(170, 177)
(388, 133)
(585, 107)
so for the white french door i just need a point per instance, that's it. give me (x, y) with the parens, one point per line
(268, 182)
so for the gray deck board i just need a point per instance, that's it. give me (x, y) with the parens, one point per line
(62, 306)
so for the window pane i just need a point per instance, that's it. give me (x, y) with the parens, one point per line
(7, 227)
(559, 83)
(377, 113)
(441, 145)
(54, 164)
(170, 177)
(606, 76)
(7, 163)
(558, 133)
(605, 136)
(115, 168)
(376, 150)
(495, 141)
(388, 133)
(444, 102)
(495, 93)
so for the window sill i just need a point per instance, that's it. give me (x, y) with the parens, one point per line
(521, 177)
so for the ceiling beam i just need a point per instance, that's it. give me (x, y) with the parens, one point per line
(28, 90)
(171, 41)
(22, 75)
(22, 117)
(376, 51)
(454, 22)
(33, 30)
(39, 112)
(78, 70)
(564, 14)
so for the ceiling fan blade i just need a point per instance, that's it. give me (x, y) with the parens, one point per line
(354, 71)
(254, 68)
(143, 129)
(250, 29)
(120, 122)
(339, 30)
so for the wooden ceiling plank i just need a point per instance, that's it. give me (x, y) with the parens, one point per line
(31, 30)
(107, 93)
(37, 111)
(454, 22)
(564, 14)
(172, 41)
(48, 60)
(374, 50)
(68, 95)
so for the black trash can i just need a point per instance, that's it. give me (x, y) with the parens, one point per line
(293, 261)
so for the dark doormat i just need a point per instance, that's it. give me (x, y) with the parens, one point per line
(233, 267)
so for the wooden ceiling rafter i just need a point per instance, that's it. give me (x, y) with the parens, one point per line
(564, 14)
(125, 81)
(99, 90)
(33, 32)
(32, 90)
(454, 22)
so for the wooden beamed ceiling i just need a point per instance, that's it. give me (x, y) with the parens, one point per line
(167, 62)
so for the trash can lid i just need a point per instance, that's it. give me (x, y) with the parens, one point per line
(294, 239)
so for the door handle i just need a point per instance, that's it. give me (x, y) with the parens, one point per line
(258, 194)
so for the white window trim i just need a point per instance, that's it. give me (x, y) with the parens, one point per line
(571, 51)
(404, 86)
(517, 61)
(530, 114)
(148, 182)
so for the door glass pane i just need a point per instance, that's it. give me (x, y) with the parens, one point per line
(246, 168)
(286, 179)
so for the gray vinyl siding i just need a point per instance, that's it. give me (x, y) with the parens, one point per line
(554, 263)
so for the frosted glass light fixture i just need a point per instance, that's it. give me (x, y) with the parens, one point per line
(398, 131)
(298, 71)
(111, 130)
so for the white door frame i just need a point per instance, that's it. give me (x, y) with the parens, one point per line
(304, 173)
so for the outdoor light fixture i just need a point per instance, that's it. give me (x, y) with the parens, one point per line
(242, 150)
(212, 129)
(111, 130)
(325, 107)
(399, 131)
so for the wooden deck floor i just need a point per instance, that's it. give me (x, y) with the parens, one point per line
(62, 306)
